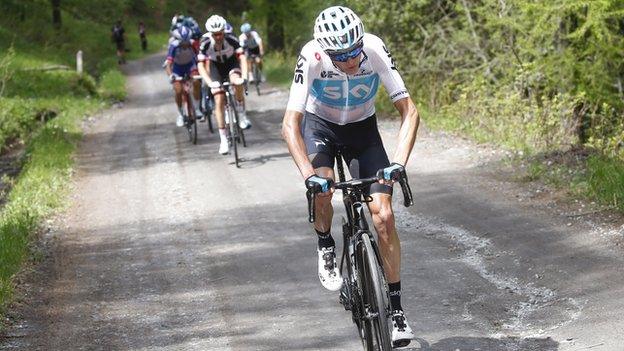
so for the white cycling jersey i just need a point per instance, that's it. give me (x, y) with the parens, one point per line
(210, 50)
(319, 87)
(250, 41)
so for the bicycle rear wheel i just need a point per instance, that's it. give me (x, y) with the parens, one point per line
(375, 329)
(256, 73)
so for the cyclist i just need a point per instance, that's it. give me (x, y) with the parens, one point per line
(143, 36)
(221, 59)
(118, 36)
(176, 22)
(332, 105)
(228, 28)
(181, 61)
(254, 50)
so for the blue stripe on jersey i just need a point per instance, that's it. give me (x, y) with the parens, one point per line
(359, 91)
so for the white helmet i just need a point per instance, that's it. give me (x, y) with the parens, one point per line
(337, 28)
(215, 23)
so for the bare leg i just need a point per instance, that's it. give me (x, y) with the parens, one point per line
(389, 244)
(324, 211)
(219, 107)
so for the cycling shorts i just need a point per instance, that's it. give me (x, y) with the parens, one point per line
(251, 53)
(221, 71)
(359, 142)
(183, 70)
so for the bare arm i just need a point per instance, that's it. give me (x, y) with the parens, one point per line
(243, 63)
(204, 70)
(168, 69)
(409, 128)
(291, 131)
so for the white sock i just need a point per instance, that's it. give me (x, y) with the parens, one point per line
(240, 107)
(223, 134)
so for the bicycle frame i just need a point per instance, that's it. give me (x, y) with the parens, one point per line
(236, 134)
(353, 229)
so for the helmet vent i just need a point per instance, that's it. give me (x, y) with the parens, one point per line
(337, 28)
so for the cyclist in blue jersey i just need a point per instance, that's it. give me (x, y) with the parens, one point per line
(332, 106)
(181, 61)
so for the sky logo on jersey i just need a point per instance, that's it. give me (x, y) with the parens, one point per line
(333, 92)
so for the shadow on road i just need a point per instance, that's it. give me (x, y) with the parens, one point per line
(485, 344)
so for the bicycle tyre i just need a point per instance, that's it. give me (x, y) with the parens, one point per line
(234, 130)
(376, 330)
(208, 117)
(242, 136)
(192, 122)
(257, 77)
(207, 106)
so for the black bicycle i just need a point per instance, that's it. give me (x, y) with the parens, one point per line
(365, 290)
(236, 135)
(206, 104)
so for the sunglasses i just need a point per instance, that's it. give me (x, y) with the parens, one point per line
(345, 56)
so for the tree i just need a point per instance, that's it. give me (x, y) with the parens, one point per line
(275, 25)
(56, 13)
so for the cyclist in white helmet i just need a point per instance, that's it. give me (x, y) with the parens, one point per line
(221, 59)
(254, 49)
(332, 105)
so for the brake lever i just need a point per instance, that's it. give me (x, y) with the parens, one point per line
(408, 199)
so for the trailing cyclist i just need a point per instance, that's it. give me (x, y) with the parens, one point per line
(254, 50)
(221, 59)
(332, 106)
(181, 61)
(118, 36)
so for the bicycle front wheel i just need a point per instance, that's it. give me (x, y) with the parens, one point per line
(233, 121)
(375, 330)
(191, 123)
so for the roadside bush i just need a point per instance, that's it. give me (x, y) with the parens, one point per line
(606, 180)
(500, 114)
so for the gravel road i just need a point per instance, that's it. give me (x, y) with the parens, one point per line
(168, 246)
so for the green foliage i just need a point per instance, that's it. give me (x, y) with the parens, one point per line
(278, 68)
(297, 18)
(113, 85)
(606, 180)
(42, 101)
(528, 74)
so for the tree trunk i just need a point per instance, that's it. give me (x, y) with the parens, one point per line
(275, 26)
(56, 13)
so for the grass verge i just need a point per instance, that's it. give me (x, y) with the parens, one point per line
(40, 188)
(605, 179)
(42, 109)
